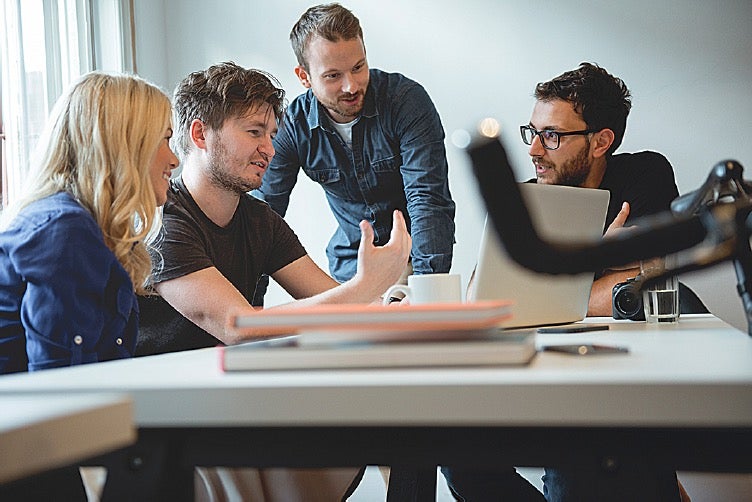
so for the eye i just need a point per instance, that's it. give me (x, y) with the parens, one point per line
(549, 134)
(331, 76)
(254, 132)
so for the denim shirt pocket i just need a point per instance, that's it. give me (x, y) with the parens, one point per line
(387, 165)
(323, 176)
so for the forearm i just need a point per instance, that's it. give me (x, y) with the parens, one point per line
(205, 298)
(601, 293)
(310, 285)
(432, 230)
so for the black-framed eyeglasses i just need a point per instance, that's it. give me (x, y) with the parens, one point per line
(549, 139)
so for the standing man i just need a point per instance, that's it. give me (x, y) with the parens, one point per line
(373, 141)
(577, 123)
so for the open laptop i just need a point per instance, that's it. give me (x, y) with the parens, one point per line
(560, 214)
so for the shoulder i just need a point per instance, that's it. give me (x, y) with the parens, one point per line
(55, 233)
(302, 105)
(180, 203)
(645, 161)
(392, 84)
(56, 215)
(394, 90)
(258, 209)
(639, 167)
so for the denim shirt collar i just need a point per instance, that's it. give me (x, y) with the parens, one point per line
(317, 111)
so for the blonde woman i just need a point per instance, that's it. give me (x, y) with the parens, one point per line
(72, 252)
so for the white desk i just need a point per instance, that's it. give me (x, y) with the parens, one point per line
(684, 392)
(38, 432)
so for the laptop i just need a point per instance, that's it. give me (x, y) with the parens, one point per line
(560, 214)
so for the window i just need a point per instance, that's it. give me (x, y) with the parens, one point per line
(45, 45)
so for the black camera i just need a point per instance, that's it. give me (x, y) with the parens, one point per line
(626, 300)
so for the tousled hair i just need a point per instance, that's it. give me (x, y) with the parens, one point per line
(331, 22)
(602, 99)
(223, 91)
(98, 145)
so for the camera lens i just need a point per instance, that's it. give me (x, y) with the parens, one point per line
(627, 302)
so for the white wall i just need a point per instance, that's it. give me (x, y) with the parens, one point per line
(687, 62)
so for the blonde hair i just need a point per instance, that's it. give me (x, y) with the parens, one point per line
(98, 145)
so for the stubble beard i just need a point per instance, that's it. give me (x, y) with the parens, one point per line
(220, 178)
(347, 112)
(574, 171)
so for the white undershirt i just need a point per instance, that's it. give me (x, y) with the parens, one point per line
(345, 131)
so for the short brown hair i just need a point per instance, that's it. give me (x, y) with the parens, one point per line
(602, 99)
(222, 92)
(329, 21)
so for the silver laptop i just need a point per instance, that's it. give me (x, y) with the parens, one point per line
(560, 214)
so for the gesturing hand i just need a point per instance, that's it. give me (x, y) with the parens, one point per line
(616, 227)
(382, 266)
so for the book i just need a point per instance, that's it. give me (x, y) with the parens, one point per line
(285, 353)
(374, 319)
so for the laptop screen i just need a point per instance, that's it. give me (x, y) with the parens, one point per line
(560, 214)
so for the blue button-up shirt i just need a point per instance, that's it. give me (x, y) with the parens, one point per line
(64, 297)
(397, 161)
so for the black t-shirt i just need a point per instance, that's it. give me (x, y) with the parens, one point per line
(256, 241)
(644, 179)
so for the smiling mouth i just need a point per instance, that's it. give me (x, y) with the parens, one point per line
(350, 99)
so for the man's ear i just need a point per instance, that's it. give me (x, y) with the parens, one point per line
(198, 134)
(601, 142)
(303, 76)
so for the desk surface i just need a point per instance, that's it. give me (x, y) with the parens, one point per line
(697, 373)
(39, 432)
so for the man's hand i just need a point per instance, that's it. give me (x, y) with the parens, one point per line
(380, 267)
(616, 227)
(601, 292)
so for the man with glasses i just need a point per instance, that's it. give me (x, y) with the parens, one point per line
(578, 122)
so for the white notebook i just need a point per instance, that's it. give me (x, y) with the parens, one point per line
(491, 349)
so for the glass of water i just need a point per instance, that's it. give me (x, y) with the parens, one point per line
(661, 298)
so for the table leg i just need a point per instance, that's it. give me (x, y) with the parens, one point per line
(152, 469)
(412, 484)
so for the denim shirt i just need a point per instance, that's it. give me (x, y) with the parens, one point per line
(64, 297)
(397, 161)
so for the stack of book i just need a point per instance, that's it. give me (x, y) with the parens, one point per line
(375, 336)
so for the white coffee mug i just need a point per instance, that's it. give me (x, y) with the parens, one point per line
(428, 288)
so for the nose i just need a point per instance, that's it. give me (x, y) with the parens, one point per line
(536, 147)
(266, 148)
(347, 83)
(174, 161)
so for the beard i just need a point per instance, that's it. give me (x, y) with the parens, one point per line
(572, 172)
(221, 178)
(344, 110)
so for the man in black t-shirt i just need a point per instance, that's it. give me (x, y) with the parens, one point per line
(577, 123)
(217, 240)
